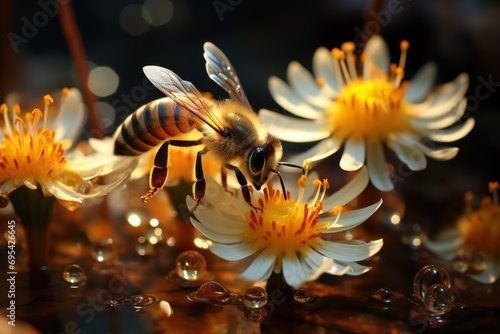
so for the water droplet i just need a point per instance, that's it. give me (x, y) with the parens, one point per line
(255, 297)
(103, 250)
(439, 299)
(74, 274)
(212, 292)
(303, 296)
(460, 263)
(85, 187)
(140, 301)
(384, 295)
(479, 262)
(427, 277)
(190, 265)
(4, 200)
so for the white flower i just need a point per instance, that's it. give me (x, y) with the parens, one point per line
(286, 236)
(364, 110)
(472, 246)
(37, 149)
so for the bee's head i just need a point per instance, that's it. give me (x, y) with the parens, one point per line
(261, 160)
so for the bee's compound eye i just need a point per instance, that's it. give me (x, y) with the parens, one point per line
(257, 160)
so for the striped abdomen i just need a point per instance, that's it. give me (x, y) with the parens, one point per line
(150, 125)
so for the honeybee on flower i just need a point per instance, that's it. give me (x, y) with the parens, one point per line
(285, 236)
(367, 109)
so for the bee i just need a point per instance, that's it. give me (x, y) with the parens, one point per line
(231, 132)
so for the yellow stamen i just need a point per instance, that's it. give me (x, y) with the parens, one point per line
(5, 111)
(47, 100)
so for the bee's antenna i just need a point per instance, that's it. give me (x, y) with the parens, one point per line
(281, 181)
(289, 164)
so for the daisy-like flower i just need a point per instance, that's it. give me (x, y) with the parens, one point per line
(286, 236)
(472, 245)
(363, 110)
(37, 150)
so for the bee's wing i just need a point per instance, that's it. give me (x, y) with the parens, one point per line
(184, 93)
(221, 71)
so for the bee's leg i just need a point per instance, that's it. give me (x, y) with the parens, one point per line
(200, 184)
(244, 185)
(159, 172)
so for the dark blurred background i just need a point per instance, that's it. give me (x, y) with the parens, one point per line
(261, 38)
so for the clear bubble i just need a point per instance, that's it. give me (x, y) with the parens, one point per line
(439, 299)
(74, 274)
(303, 296)
(427, 277)
(460, 263)
(190, 265)
(4, 201)
(85, 187)
(103, 251)
(212, 292)
(255, 297)
(479, 262)
(384, 295)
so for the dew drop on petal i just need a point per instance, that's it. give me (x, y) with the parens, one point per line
(4, 200)
(384, 295)
(255, 297)
(428, 276)
(479, 262)
(103, 250)
(460, 263)
(439, 299)
(302, 296)
(85, 187)
(74, 274)
(190, 265)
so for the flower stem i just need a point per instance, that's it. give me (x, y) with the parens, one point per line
(35, 211)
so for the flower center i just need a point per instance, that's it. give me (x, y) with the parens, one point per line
(481, 229)
(28, 154)
(284, 225)
(372, 106)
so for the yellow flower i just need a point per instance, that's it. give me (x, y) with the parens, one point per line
(474, 241)
(36, 151)
(286, 236)
(364, 110)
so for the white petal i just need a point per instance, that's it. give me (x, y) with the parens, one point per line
(452, 134)
(261, 268)
(443, 153)
(62, 192)
(353, 156)
(305, 86)
(444, 120)
(351, 219)
(349, 191)
(440, 246)
(410, 155)
(378, 55)
(323, 68)
(377, 166)
(234, 252)
(350, 250)
(73, 117)
(422, 83)
(320, 151)
(490, 274)
(292, 270)
(353, 269)
(293, 129)
(290, 101)
(215, 236)
(30, 184)
(7, 186)
(337, 268)
(445, 97)
(224, 224)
